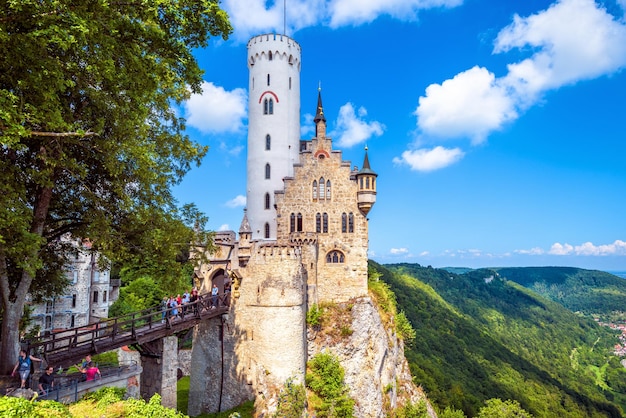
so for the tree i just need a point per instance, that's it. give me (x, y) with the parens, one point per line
(90, 143)
(497, 408)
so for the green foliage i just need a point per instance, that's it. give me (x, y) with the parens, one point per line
(105, 396)
(141, 293)
(291, 400)
(138, 408)
(480, 337)
(497, 408)
(591, 292)
(21, 408)
(325, 379)
(451, 413)
(411, 410)
(313, 316)
(109, 358)
(90, 140)
(404, 328)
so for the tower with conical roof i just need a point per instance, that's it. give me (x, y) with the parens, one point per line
(273, 126)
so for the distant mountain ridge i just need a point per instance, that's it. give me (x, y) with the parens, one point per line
(482, 335)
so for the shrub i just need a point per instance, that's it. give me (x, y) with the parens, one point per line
(314, 316)
(326, 381)
(291, 401)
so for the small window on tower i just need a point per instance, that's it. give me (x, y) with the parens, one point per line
(314, 189)
(266, 110)
(267, 230)
(318, 223)
(325, 223)
(327, 189)
(268, 79)
(270, 55)
(267, 171)
(271, 107)
(267, 200)
(299, 225)
(292, 223)
(268, 142)
(350, 222)
(344, 223)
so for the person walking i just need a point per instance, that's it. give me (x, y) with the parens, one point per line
(24, 361)
(46, 381)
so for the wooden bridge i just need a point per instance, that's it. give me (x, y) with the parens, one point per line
(68, 347)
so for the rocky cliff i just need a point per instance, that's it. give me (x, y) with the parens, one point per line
(372, 356)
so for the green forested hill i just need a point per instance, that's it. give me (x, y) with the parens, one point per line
(588, 291)
(480, 337)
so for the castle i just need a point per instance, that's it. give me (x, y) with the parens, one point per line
(303, 240)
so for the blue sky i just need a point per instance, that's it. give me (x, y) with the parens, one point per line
(497, 128)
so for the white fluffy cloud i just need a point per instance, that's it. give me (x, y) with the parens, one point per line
(572, 40)
(236, 202)
(258, 16)
(216, 110)
(430, 159)
(470, 105)
(618, 247)
(352, 129)
(399, 251)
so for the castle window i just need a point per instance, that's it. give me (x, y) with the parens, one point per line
(270, 55)
(267, 171)
(252, 82)
(104, 296)
(268, 79)
(314, 189)
(328, 190)
(267, 200)
(95, 296)
(271, 107)
(266, 111)
(289, 83)
(344, 223)
(268, 142)
(325, 223)
(318, 223)
(299, 222)
(292, 223)
(72, 321)
(322, 191)
(350, 222)
(74, 300)
(290, 61)
(367, 182)
(267, 230)
(335, 257)
(48, 322)
(361, 183)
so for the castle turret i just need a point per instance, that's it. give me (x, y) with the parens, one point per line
(320, 119)
(366, 181)
(273, 125)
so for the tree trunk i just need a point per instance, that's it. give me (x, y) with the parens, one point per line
(10, 344)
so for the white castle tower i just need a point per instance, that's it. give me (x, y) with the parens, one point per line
(273, 125)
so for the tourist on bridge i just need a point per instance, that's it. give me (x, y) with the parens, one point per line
(91, 371)
(46, 381)
(214, 293)
(24, 361)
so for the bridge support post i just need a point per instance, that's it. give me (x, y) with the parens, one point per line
(159, 360)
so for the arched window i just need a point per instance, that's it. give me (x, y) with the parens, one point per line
(266, 111)
(292, 223)
(328, 190)
(314, 189)
(289, 83)
(267, 171)
(335, 257)
(318, 223)
(268, 142)
(299, 223)
(325, 223)
(270, 55)
(267, 230)
(267, 200)
(322, 191)
(350, 222)
(367, 182)
(268, 79)
(271, 107)
(344, 223)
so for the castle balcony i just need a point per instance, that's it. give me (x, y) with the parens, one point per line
(301, 238)
(365, 200)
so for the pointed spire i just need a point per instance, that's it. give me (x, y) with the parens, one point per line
(245, 224)
(319, 115)
(366, 165)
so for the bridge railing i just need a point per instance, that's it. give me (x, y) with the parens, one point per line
(125, 325)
